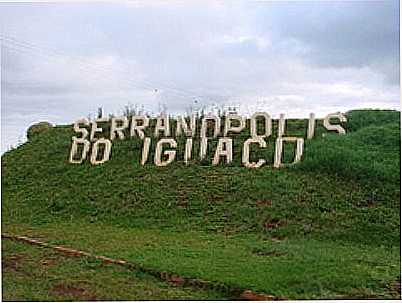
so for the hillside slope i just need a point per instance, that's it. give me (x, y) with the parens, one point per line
(345, 193)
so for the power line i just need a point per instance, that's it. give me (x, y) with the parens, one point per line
(89, 68)
(145, 84)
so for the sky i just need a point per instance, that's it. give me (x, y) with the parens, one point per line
(61, 61)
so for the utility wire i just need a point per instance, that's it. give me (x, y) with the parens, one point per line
(171, 90)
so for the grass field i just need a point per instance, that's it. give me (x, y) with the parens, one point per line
(41, 274)
(328, 227)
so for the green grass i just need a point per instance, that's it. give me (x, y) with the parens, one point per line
(40, 274)
(292, 268)
(363, 118)
(328, 227)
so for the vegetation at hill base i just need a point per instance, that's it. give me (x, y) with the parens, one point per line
(325, 228)
(40, 274)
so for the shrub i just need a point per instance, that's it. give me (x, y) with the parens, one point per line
(37, 129)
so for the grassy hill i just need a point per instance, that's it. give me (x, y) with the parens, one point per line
(328, 227)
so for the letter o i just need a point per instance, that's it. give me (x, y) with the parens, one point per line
(106, 152)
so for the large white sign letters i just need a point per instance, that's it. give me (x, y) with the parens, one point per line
(90, 142)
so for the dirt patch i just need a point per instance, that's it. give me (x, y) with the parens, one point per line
(176, 280)
(251, 296)
(78, 293)
(14, 263)
(182, 203)
(369, 203)
(264, 202)
(47, 262)
(397, 286)
(274, 223)
(49, 258)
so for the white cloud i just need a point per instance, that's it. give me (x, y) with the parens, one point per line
(292, 58)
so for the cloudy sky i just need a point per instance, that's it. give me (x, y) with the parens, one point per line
(60, 61)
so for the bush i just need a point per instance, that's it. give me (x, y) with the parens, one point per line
(37, 129)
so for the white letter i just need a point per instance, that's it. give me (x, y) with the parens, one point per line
(182, 125)
(279, 150)
(281, 125)
(106, 151)
(204, 125)
(95, 128)
(81, 130)
(311, 126)
(224, 148)
(74, 149)
(162, 124)
(203, 147)
(230, 128)
(253, 125)
(145, 150)
(118, 129)
(138, 128)
(187, 151)
(170, 153)
(338, 128)
(246, 152)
